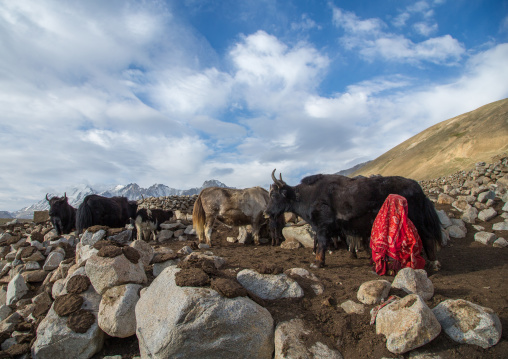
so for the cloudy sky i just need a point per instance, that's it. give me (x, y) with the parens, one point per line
(179, 92)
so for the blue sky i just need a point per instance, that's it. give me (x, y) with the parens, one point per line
(179, 92)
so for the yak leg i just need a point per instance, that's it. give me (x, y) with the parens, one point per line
(208, 230)
(430, 250)
(322, 244)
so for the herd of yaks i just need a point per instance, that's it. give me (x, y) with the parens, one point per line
(335, 206)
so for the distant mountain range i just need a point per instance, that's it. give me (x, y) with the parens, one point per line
(132, 191)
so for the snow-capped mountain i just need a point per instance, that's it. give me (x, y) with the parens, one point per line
(132, 191)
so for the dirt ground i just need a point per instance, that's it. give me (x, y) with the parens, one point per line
(470, 271)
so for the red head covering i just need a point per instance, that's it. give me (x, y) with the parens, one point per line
(394, 239)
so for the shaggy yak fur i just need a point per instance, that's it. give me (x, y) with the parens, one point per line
(114, 212)
(61, 214)
(233, 207)
(339, 206)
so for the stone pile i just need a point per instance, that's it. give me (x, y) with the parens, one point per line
(477, 196)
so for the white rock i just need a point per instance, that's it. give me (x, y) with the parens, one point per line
(145, 250)
(269, 286)
(485, 238)
(89, 238)
(407, 324)
(374, 291)
(83, 252)
(500, 242)
(200, 323)
(289, 343)
(116, 310)
(105, 273)
(317, 287)
(351, 307)
(414, 281)
(57, 341)
(16, 289)
(159, 267)
(487, 214)
(53, 260)
(470, 215)
(469, 323)
(302, 234)
(456, 232)
(500, 226)
(443, 218)
(5, 311)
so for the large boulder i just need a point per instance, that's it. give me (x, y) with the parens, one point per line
(199, 323)
(407, 324)
(469, 323)
(56, 340)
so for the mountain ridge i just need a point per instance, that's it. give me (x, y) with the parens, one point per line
(132, 191)
(448, 146)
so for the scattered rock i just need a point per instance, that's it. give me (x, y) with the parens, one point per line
(469, 323)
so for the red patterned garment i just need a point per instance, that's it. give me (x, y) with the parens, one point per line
(394, 240)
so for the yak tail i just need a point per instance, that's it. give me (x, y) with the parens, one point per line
(84, 218)
(198, 219)
(432, 224)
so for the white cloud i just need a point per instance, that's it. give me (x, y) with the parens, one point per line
(372, 42)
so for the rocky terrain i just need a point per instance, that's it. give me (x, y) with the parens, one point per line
(106, 295)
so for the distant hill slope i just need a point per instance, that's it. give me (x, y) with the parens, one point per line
(447, 147)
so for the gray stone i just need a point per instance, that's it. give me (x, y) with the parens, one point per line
(500, 242)
(302, 234)
(116, 315)
(407, 324)
(105, 273)
(351, 307)
(374, 291)
(487, 214)
(269, 286)
(456, 232)
(500, 226)
(470, 215)
(414, 281)
(199, 323)
(443, 218)
(484, 196)
(16, 289)
(290, 343)
(485, 238)
(469, 323)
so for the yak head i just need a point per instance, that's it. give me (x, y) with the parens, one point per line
(57, 205)
(281, 197)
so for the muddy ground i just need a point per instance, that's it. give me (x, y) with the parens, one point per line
(470, 271)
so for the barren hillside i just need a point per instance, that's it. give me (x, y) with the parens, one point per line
(448, 146)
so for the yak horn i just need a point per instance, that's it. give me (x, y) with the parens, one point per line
(65, 195)
(47, 199)
(280, 182)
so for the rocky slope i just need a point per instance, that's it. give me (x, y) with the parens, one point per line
(448, 146)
